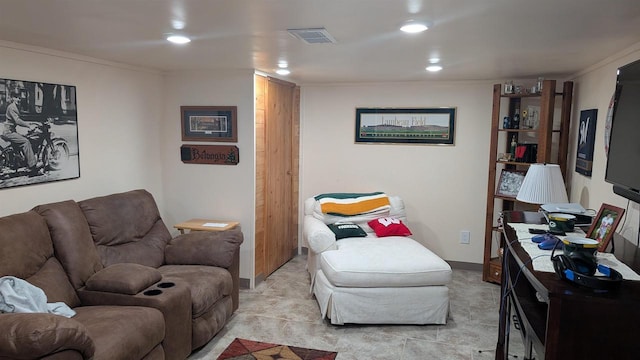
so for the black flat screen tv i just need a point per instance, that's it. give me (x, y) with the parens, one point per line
(623, 161)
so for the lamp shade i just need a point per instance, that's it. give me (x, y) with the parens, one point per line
(543, 184)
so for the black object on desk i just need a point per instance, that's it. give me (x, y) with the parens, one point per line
(569, 321)
(538, 231)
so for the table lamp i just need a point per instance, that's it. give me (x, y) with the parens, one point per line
(543, 184)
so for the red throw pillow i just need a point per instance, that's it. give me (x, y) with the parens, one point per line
(389, 227)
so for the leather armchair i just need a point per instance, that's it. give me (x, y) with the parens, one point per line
(127, 228)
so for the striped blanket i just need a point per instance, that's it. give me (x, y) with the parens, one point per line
(350, 204)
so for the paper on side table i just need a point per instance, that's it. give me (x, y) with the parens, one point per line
(217, 225)
(541, 259)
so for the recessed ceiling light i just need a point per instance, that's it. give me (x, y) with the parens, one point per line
(283, 65)
(413, 27)
(434, 60)
(283, 72)
(434, 68)
(178, 39)
(178, 24)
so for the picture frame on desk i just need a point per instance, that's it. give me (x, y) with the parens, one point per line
(510, 182)
(604, 225)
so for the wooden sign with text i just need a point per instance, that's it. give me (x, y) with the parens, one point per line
(210, 154)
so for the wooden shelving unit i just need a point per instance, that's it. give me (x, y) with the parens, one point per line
(552, 142)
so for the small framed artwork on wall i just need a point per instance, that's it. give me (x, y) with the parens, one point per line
(209, 123)
(586, 140)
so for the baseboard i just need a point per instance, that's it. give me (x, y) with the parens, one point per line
(244, 283)
(461, 265)
(259, 279)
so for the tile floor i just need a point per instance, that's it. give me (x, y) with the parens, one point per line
(281, 310)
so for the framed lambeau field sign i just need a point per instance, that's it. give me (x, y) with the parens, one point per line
(209, 123)
(405, 125)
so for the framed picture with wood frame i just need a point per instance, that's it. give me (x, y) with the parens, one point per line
(510, 182)
(209, 123)
(604, 225)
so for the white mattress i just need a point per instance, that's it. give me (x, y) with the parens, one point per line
(393, 261)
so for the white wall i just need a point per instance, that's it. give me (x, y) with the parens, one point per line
(129, 132)
(119, 112)
(593, 90)
(224, 192)
(129, 138)
(444, 187)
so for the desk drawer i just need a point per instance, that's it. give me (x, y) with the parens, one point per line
(495, 271)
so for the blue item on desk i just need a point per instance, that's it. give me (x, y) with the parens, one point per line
(549, 242)
(542, 237)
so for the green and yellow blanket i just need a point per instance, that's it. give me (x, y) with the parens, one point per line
(351, 204)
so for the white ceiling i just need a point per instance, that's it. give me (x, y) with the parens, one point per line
(475, 39)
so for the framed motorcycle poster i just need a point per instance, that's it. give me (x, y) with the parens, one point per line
(38, 133)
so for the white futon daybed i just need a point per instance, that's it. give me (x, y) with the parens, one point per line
(369, 279)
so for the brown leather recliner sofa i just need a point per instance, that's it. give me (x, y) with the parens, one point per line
(115, 250)
(95, 332)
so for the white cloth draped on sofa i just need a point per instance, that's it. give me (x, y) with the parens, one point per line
(372, 280)
(19, 296)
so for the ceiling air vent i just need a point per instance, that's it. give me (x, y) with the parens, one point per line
(313, 36)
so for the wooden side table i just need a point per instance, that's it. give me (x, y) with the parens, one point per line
(205, 225)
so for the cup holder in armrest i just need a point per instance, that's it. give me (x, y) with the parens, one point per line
(153, 292)
(165, 285)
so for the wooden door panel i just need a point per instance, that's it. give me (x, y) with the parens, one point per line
(260, 118)
(281, 123)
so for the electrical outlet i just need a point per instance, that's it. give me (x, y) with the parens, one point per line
(465, 236)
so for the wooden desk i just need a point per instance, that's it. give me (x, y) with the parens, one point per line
(571, 322)
(205, 225)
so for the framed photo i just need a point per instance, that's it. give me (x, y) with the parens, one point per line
(209, 123)
(586, 140)
(45, 150)
(604, 225)
(405, 126)
(510, 182)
